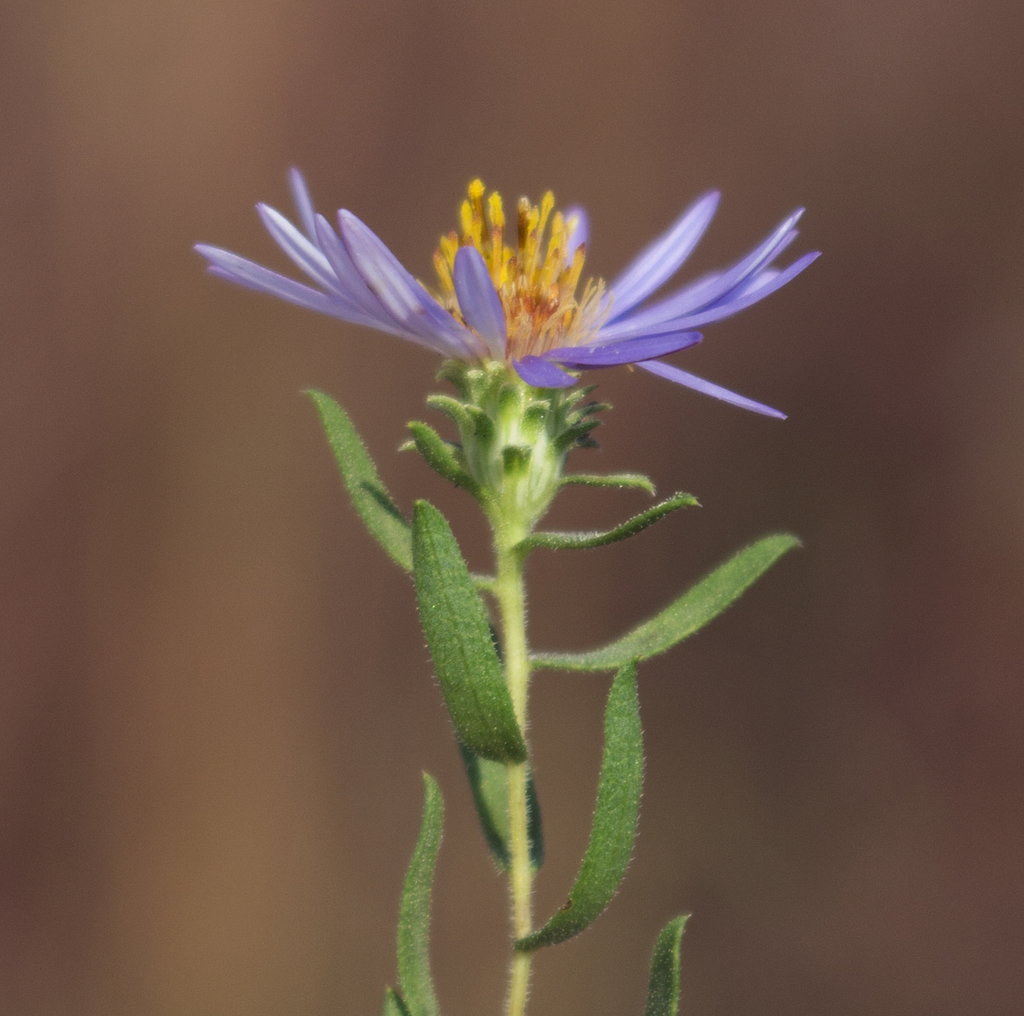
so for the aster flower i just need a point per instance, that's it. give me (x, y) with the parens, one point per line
(519, 305)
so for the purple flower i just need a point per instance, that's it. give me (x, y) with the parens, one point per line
(519, 305)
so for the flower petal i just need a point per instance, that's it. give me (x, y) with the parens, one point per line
(660, 261)
(763, 284)
(751, 291)
(247, 273)
(402, 296)
(305, 254)
(478, 300)
(542, 374)
(613, 354)
(352, 282)
(682, 377)
(303, 202)
(710, 290)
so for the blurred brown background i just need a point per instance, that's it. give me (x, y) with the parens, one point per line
(215, 701)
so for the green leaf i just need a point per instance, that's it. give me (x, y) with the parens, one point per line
(685, 615)
(611, 480)
(440, 456)
(489, 783)
(414, 917)
(663, 986)
(393, 1004)
(583, 541)
(456, 625)
(369, 495)
(614, 829)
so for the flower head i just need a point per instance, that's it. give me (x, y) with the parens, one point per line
(521, 305)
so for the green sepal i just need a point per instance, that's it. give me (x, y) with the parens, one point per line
(414, 916)
(452, 408)
(636, 480)
(582, 541)
(483, 425)
(684, 616)
(441, 456)
(393, 1004)
(459, 636)
(578, 434)
(582, 393)
(535, 417)
(663, 985)
(456, 372)
(516, 459)
(489, 783)
(615, 817)
(369, 495)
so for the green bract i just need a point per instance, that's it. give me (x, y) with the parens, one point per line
(513, 439)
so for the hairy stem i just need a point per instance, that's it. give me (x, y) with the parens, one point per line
(510, 592)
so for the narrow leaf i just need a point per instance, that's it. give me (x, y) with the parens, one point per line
(685, 615)
(489, 783)
(615, 817)
(583, 541)
(369, 495)
(663, 986)
(611, 480)
(456, 625)
(393, 1004)
(440, 456)
(414, 917)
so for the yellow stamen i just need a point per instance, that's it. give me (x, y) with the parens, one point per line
(523, 209)
(496, 213)
(572, 276)
(475, 233)
(443, 271)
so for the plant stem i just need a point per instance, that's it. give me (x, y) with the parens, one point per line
(511, 595)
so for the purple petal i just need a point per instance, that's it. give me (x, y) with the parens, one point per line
(305, 254)
(760, 257)
(541, 374)
(479, 301)
(644, 348)
(766, 282)
(699, 297)
(303, 202)
(351, 281)
(660, 261)
(681, 377)
(402, 296)
(247, 273)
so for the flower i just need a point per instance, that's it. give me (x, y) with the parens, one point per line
(519, 305)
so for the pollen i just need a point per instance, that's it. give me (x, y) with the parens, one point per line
(536, 280)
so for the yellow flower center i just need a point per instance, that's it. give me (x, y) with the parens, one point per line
(536, 282)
